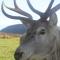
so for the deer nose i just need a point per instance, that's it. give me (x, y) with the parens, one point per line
(18, 55)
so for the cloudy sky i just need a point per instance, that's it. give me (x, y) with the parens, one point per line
(40, 5)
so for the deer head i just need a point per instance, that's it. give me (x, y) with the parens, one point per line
(42, 31)
(28, 20)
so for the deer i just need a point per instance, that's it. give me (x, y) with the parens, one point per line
(41, 41)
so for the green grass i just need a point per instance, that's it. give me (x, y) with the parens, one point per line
(8, 47)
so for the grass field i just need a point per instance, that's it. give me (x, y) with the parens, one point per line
(8, 47)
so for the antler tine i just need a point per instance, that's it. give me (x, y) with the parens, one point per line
(54, 9)
(21, 11)
(23, 19)
(18, 10)
(34, 10)
(50, 5)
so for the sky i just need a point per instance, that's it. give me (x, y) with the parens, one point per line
(40, 5)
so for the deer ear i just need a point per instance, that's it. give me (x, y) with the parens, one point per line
(53, 19)
(28, 23)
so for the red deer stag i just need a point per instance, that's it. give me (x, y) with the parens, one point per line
(42, 38)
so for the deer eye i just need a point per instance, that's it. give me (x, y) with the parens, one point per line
(42, 32)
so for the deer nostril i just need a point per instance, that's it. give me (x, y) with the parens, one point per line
(18, 55)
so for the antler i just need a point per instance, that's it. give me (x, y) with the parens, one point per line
(18, 10)
(50, 11)
(54, 9)
(28, 17)
(49, 7)
(34, 10)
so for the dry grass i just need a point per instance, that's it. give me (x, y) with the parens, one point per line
(8, 47)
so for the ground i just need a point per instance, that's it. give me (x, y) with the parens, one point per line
(8, 47)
